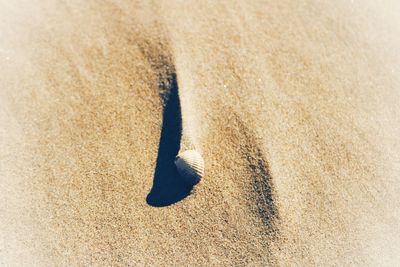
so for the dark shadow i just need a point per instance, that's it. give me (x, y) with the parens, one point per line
(168, 188)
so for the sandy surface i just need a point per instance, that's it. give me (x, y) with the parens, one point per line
(293, 105)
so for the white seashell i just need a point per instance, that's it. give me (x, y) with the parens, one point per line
(190, 165)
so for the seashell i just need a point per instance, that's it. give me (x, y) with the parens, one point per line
(190, 165)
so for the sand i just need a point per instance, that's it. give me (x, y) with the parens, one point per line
(293, 105)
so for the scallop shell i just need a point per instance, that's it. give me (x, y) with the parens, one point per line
(190, 165)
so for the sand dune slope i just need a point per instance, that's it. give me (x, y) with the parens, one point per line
(294, 107)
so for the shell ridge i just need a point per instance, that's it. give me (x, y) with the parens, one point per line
(190, 166)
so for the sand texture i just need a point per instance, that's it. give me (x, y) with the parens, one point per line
(294, 106)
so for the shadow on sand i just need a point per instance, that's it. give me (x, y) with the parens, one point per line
(168, 188)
